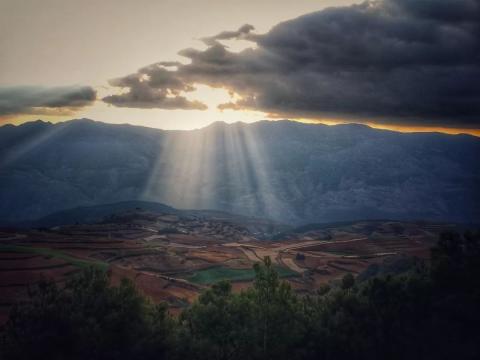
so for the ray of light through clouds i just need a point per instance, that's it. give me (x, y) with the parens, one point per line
(177, 65)
(308, 69)
(220, 166)
(173, 119)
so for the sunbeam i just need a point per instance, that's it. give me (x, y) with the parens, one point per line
(222, 166)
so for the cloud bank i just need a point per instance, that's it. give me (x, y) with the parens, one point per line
(391, 61)
(44, 100)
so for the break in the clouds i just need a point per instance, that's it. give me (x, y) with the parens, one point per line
(396, 61)
(41, 100)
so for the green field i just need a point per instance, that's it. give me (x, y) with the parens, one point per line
(55, 254)
(215, 274)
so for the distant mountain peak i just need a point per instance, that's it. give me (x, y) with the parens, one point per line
(86, 120)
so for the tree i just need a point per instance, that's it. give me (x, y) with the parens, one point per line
(348, 281)
(218, 325)
(86, 319)
(277, 312)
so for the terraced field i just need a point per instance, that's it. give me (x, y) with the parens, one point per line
(172, 259)
(46, 257)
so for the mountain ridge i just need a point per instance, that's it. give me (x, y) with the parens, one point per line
(292, 172)
(237, 123)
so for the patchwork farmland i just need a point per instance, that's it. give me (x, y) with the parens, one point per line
(173, 257)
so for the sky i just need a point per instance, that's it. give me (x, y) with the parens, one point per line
(408, 65)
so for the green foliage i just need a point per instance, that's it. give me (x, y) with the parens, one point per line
(218, 325)
(219, 273)
(258, 323)
(430, 313)
(348, 281)
(86, 319)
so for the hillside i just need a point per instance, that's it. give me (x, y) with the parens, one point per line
(287, 171)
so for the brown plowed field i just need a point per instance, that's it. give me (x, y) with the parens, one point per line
(161, 266)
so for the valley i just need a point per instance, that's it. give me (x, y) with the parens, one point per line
(171, 255)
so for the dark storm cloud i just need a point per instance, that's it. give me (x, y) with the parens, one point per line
(243, 33)
(36, 99)
(153, 87)
(395, 61)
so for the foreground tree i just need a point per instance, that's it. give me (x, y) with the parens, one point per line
(218, 325)
(277, 313)
(258, 323)
(86, 319)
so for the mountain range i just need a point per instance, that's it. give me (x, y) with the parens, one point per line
(287, 171)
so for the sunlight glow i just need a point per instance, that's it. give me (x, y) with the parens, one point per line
(196, 119)
(222, 167)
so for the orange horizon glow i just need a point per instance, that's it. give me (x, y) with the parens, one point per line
(397, 128)
(414, 129)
